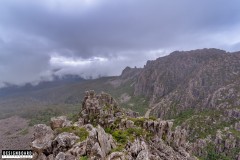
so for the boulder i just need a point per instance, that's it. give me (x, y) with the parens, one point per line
(136, 147)
(104, 142)
(57, 122)
(129, 124)
(60, 156)
(43, 136)
(50, 157)
(143, 155)
(79, 149)
(64, 141)
(40, 156)
(96, 152)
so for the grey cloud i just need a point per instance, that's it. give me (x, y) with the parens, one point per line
(110, 29)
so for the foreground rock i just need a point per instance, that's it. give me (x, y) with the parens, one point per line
(104, 131)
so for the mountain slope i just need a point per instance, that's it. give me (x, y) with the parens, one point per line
(198, 79)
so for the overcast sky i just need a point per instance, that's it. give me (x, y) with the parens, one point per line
(42, 38)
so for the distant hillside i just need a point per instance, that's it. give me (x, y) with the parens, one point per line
(63, 96)
(11, 90)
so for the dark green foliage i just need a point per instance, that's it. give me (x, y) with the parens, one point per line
(119, 148)
(153, 118)
(120, 136)
(213, 155)
(138, 121)
(82, 133)
(83, 158)
(135, 131)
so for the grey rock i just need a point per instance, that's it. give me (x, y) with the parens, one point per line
(96, 151)
(143, 155)
(60, 156)
(116, 156)
(79, 149)
(43, 136)
(129, 124)
(64, 141)
(57, 122)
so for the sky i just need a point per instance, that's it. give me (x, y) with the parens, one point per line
(40, 39)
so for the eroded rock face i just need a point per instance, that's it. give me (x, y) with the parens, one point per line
(58, 122)
(100, 112)
(102, 109)
(43, 136)
(235, 113)
(104, 141)
(79, 149)
(187, 79)
(237, 126)
(64, 142)
(116, 156)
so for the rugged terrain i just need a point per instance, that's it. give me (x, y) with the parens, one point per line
(196, 90)
(104, 131)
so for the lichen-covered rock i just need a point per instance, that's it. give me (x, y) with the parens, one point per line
(61, 156)
(104, 141)
(237, 126)
(50, 157)
(143, 155)
(199, 146)
(43, 136)
(63, 142)
(79, 123)
(116, 156)
(129, 124)
(59, 122)
(96, 152)
(40, 156)
(79, 149)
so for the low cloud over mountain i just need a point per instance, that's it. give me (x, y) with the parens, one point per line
(39, 39)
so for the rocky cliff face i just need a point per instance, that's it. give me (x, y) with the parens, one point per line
(193, 79)
(104, 131)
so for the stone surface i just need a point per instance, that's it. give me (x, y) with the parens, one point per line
(98, 112)
(104, 141)
(63, 142)
(58, 122)
(43, 136)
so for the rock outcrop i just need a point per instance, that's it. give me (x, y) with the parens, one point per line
(104, 131)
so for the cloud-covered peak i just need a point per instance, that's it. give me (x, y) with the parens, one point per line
(101, 37)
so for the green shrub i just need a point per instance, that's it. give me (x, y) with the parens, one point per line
(84, 158)
(120, 136)
(138, 121)
(82, 133)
